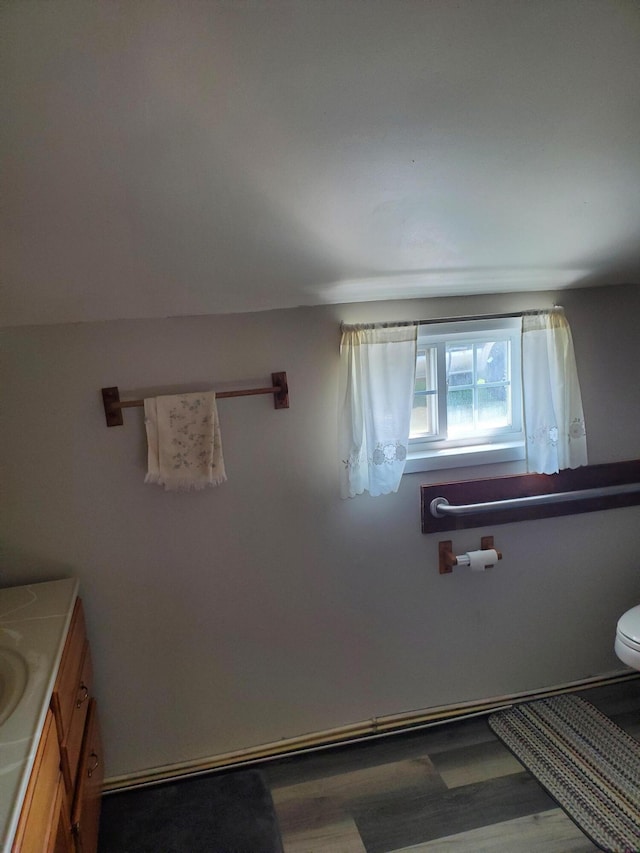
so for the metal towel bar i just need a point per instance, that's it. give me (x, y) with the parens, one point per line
(440, 507)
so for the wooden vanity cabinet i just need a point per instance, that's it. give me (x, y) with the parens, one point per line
(68, 779)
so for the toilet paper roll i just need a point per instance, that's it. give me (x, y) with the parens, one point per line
(481, 560)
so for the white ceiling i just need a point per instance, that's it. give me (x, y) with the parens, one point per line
(173, 158)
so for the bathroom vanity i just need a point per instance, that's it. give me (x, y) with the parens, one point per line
(51, 761)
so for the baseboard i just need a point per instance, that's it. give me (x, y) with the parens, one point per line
(373, 728)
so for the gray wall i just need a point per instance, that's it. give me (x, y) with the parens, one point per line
(268, 607)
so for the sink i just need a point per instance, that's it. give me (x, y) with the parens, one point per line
(13, 680)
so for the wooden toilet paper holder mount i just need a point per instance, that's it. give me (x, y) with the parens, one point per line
(447, 559)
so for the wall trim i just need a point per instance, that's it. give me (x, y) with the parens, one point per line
(364, 730)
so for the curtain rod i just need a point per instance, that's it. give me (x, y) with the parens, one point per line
(506, 316)
(113, 405)
(460, 319)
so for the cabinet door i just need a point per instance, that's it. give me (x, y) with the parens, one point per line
(70, 696)
(85, 816)
(71, 746)
(43, 817)
(62, 841)
(67, 686)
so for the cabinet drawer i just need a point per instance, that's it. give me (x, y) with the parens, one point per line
(43, 802)
(72, 744)
(85, 814)
(67, 686)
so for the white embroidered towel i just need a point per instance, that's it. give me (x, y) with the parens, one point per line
(183, 441)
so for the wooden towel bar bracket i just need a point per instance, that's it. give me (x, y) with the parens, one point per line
(113, 405)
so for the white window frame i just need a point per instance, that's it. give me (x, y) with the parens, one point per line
(435, 452)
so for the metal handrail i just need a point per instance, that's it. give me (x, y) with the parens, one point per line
(440, 507)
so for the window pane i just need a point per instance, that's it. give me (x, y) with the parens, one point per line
(493, 407)
(424, 415)
(421, 370)
(460, 412)
(492, 362)
(459, 364)
(426, 369)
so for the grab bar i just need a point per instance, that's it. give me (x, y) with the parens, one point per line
(440, 507)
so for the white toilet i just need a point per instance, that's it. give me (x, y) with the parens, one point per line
(627, 644)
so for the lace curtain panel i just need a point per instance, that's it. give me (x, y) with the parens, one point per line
(377, 371)
(554, 419)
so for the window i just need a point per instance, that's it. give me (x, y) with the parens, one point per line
(467, 405)
(465, 382)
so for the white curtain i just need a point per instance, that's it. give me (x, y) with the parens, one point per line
(377, 371)
(554, 420)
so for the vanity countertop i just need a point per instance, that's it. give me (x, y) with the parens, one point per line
(34, 621)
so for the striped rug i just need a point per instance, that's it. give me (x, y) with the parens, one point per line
(587, 763)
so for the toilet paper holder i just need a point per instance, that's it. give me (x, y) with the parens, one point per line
(447, 559)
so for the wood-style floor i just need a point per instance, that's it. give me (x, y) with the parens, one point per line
(453, 787)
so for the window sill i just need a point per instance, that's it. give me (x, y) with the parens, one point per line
(462, 457)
